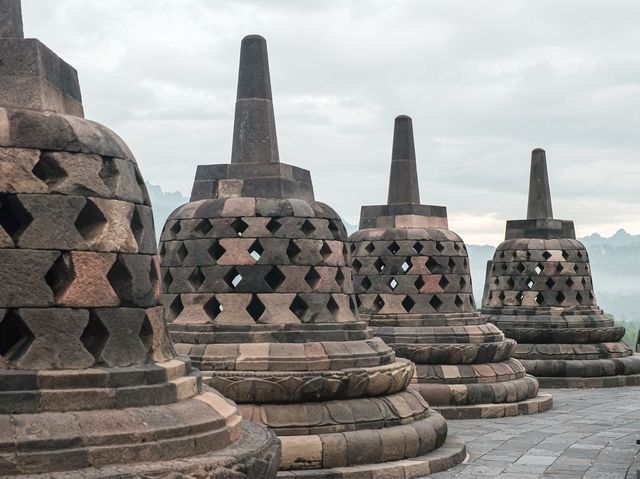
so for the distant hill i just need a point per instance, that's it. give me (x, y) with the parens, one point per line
(615, 261)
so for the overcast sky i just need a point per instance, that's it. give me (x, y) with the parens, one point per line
(485, 83)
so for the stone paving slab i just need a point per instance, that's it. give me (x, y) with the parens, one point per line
(589, 433)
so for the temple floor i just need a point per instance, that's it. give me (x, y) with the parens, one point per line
(589, 433)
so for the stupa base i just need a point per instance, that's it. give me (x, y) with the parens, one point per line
(588, 383)
(255, 455)
(445, 457)
(540, 403)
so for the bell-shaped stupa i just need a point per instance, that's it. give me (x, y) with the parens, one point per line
(413, 284)
(90, 385)
(539, 291)
(260, 296)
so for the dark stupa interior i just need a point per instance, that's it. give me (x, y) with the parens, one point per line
(539, 291)
(413, 283)
(259, 294)
(90, 385)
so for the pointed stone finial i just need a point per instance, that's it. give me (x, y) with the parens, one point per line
(539, 193)
(11, 19)
(254, 129)
(403, 181)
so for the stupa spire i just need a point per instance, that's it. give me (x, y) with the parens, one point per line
(11, 19)
(254, 129)
(539, 206)
(403, 181)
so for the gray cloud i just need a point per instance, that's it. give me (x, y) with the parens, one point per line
(485, 82)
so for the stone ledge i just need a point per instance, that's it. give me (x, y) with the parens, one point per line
(540, 403)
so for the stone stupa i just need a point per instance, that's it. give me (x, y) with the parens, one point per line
(539, 291)
(90, 385)
(413, 284)
(259, 295)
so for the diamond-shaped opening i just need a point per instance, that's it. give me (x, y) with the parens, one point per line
(175, 228)
(216, 250)
(307, 227)
(579, 298)
(345, 252)
(444, 282)
(299, 307)
(352, 248)
(458, 301)
(325, 250)
(546, 255)
(292, 250)
(358, 302)
(60, 275)
(550, 283)
(356, 265)
(439, 246)
(137, 228)
(590, 295)
(239, 226)
(393, 248)
(146, 334)
(48, 170)
(379, 265)
(417, 247)
(121, 281)
(580, 254)
(365, 283)
(378, 302)
(503, 266)
(559, 268)
(167, 280)
(576, 268)
(233, 278)
(109, 173)
(530, 283)
(433, 266)
(90, 222)
(451, 263)
(163, 250)
(176, 306)
(339, 277)
(15, 337)
(539, 268)
(408, 304)
(565, 255)
(273, 225)
(95, 336)
(196, 278)
(332, 306)
(501, 296)
(312, 278)
(370, 247)
(511, 283)
(256, 250)
(514, 255)
(203, 227)
(462, 283)
(520, 267)
(182, 252)
(154, 276)
(501, 254)
(352, 306)
(456, 246)
(406, 265)
(419, 283)
(393, 284)
(560, 297)
(539, 299)
(496, 281)
(519, 297)
(584, 282)
(255, 308)
(435, 302)
(212, 308)
(335, 231)
(274, 278)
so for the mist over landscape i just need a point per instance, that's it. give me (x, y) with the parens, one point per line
(615, 262)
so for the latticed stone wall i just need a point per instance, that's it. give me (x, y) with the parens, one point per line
(540, 274)
(415, 271)
(242, 261)
(77, 244)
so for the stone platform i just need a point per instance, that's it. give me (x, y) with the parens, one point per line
(589, 433)
(540, 403)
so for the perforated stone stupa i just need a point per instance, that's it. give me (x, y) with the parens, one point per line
(89, 382)
(412, 279)
(539, 291)
(260, 296)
